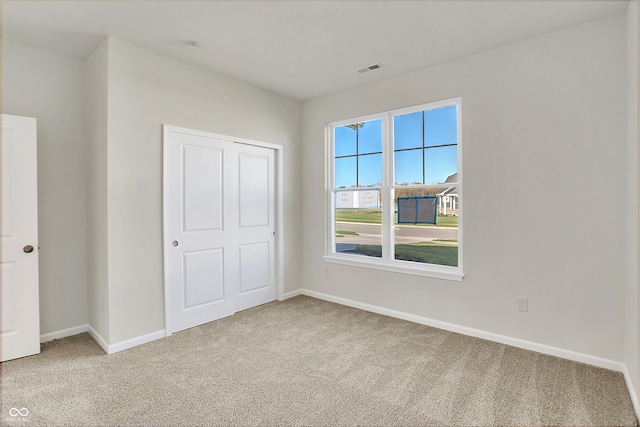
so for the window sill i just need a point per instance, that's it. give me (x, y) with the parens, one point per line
(446, 273)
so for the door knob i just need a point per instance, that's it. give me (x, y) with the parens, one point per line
(28, 249)
(174, 243)
(273, 233)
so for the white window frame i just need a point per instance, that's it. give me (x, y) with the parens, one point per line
(387, 262)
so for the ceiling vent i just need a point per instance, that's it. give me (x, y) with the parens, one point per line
(376, 66)
(193, 46)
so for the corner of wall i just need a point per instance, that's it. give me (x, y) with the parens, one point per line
(632, 291)
(636, 45)
(95, 80)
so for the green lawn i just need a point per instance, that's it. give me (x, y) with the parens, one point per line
(375, 217)
(366, 217)
(427, 252)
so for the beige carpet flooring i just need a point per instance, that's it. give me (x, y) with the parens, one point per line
(308, 362)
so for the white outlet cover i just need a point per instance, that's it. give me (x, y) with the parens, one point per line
(523, 304)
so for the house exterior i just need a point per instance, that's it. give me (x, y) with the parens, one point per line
(448, 198)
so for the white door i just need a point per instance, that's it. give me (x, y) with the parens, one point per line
(200, 253)
(20, 327)
(220, 227)
(256, 226)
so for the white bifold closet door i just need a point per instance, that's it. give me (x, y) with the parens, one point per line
(219, 227)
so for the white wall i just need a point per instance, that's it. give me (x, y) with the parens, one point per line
(544, 141)
(145, 91)
(96, 102)
(49, 87)
(100, 173)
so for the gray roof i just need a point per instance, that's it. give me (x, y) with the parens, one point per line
(450, 178)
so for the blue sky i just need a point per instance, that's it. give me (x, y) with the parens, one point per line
(439, 128)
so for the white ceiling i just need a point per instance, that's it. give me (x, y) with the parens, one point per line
(301, 49)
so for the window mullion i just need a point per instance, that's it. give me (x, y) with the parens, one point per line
(424, 172)
(330, 226)
(357, 160)
(387, 182)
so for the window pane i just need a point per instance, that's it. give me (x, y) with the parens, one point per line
(408, 167)
(429, 244)
(440, 126)
(370, 137)
(359, 231)
(345, 141)
(345, 172)
(370, 170)
(407, 131)
(440, 163)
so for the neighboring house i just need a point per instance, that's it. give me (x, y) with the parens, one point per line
(448, 198)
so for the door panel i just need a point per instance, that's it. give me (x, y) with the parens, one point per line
(20, 328)
(199, 229)
(256, 226)
(203, 202)
(7, 268)
(203, 277)
(255, 189)
(254, 267)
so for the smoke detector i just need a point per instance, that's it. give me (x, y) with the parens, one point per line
(371, 67)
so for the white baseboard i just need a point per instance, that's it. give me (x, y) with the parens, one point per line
(490, 336)
(291, 294)
(101, 341)
(134, 342)
(632, 391)
(63, 333)
(127, 344)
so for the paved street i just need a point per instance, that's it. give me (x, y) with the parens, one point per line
(371, 234)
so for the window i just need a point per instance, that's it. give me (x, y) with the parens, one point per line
(395, 191)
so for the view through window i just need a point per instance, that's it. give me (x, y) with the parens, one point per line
(395, 186)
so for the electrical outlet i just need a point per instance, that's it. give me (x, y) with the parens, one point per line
(327, 272)
(523, 304)
(102, 304)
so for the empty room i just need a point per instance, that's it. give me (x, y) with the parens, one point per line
(322, 213)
